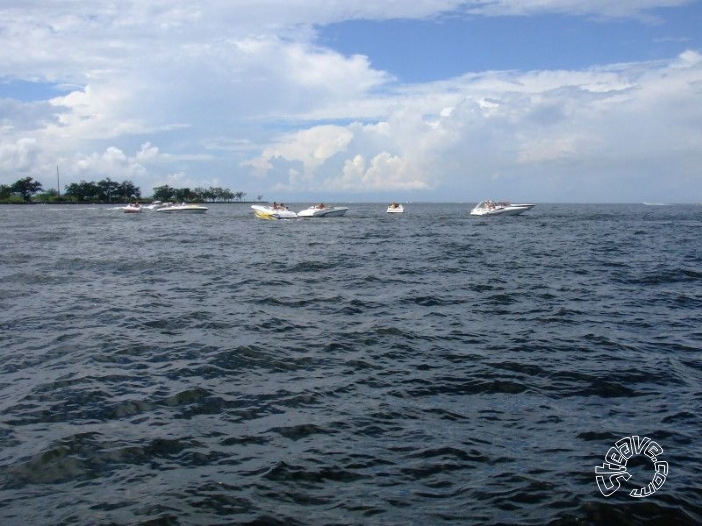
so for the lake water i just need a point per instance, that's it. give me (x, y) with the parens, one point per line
(423, 368)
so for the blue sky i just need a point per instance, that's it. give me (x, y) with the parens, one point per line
(352, 100)
(449, 46)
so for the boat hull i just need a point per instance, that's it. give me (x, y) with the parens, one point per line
(331, 211)
(486, 208)
(132, 209)
(271, 213)
(395, 209)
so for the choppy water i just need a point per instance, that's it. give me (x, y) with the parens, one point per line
(424, 368)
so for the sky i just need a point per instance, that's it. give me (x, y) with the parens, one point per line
(358, 100)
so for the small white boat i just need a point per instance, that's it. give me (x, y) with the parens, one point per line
(395, 208)
(322, 210)
(274, 211)
(182, 209)
(132, 209)
(495, 208)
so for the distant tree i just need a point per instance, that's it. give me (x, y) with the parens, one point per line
(47, 196)
(26, 187)
(213, 194)
(259, 198)
(107, 189)
(85, 192)
(128, 190)
(104, 191)
(5, 191)
(202, 193)
(184, 194)
(164, 193)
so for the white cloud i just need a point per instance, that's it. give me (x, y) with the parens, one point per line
(310, 147)
(97, 112)
(385, 172)
(599, 8)
(182, 93)
(147, 152)
(112, 163)
(19, 156)
(615, 118)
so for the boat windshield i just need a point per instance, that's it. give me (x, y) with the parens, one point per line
(489, 205)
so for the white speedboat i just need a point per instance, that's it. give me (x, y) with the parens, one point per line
(154, 206)
(274, 211)
(395, 208)
(182, 209)
(132, 209)
(322, 210)
(495, 208)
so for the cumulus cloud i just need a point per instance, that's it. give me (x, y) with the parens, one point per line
(16, 116)
(176, 92)
(147, 152)
(310, 147)
(113, 163)
(482, 126)
(19, 156)
(384, 172)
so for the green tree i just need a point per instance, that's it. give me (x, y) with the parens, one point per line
(83, 191)
(47, 196)
(201, 193)
(213, 194)
(26, 187)
(184, 194)
(104, 191)
(108, 189)
(164, 193)
(128, 190)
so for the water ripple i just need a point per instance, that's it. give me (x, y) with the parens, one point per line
(426, 369)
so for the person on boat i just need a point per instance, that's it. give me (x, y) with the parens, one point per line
(321, 206)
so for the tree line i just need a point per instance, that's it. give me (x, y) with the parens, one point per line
(21, 190)
(28, 190)
(212, 194)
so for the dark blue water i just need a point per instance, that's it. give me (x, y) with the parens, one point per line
(415, 369)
